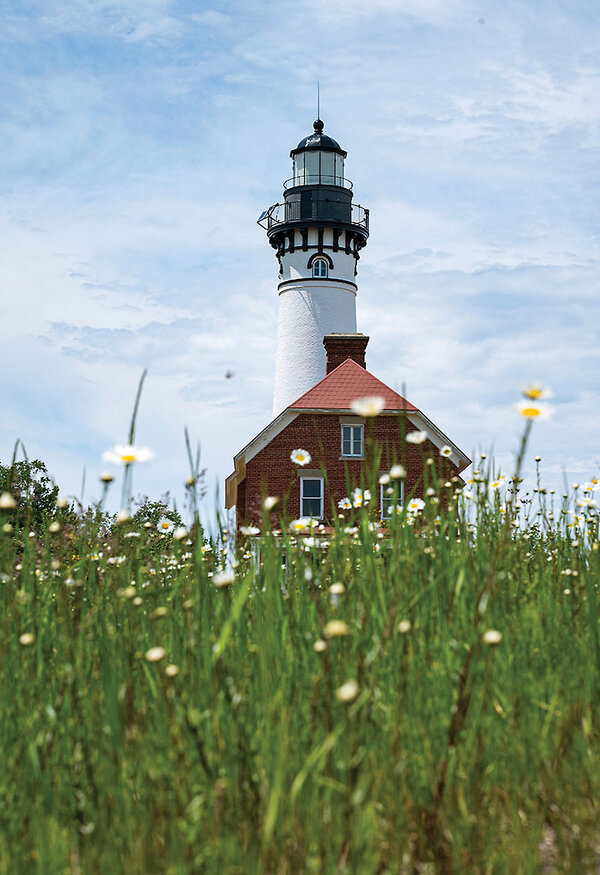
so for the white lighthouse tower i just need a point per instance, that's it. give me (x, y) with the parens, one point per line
(317, 233)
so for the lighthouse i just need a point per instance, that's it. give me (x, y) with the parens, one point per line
(321, 371)
(317, 234)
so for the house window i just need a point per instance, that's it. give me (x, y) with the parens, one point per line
(311, 497)
(320, 267)
(391, 496)
(352, 441)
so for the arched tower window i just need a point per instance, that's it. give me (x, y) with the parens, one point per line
(320, 268)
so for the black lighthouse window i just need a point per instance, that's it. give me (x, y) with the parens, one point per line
(320, 267)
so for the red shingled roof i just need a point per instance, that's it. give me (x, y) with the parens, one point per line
(343, 385)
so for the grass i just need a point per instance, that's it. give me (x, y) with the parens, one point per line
(241, 750)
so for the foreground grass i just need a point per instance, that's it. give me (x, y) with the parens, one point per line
(241, 750)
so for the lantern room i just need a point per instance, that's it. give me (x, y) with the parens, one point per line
(318, 160)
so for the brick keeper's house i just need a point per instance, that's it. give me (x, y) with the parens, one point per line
(317, 233)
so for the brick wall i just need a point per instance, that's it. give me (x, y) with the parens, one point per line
(271, 472)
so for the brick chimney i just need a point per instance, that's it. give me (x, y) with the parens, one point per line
(340, 347)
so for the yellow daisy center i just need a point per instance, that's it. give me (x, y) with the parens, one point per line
(128, 458)
(531, 411)
(534, 393)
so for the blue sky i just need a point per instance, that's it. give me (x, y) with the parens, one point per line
(142, 138)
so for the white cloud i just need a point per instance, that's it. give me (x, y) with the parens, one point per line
(210, 18)
(128, 19)
(141, 141)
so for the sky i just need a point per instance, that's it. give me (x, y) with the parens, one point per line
(141, 139)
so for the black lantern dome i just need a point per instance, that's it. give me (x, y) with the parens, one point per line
(318, 140)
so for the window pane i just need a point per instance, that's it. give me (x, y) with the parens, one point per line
(357, 440)
(311, 488)
(346, 441)
(312, 493)
(327, 168)
(391, 497)
(312, 167)
(311, 507)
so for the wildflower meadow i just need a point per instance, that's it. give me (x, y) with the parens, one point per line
(419, 694)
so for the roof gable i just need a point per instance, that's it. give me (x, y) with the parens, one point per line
(344, 385)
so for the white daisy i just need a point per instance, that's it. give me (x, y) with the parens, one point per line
(165, 526)
(534, 410)
(127, 454)
(415, 505)
(224, 578)
(359, 497)
(348, 692)
(536, 392)
(397, 472)
(155, 654)
(492, 636)
(446, 451)
(371, 405)
(344, 503)
(300, 457)
(416, 437)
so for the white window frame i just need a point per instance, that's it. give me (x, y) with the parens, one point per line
(320, 263)
(351, 455)
(312, 498)
(382, 486)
